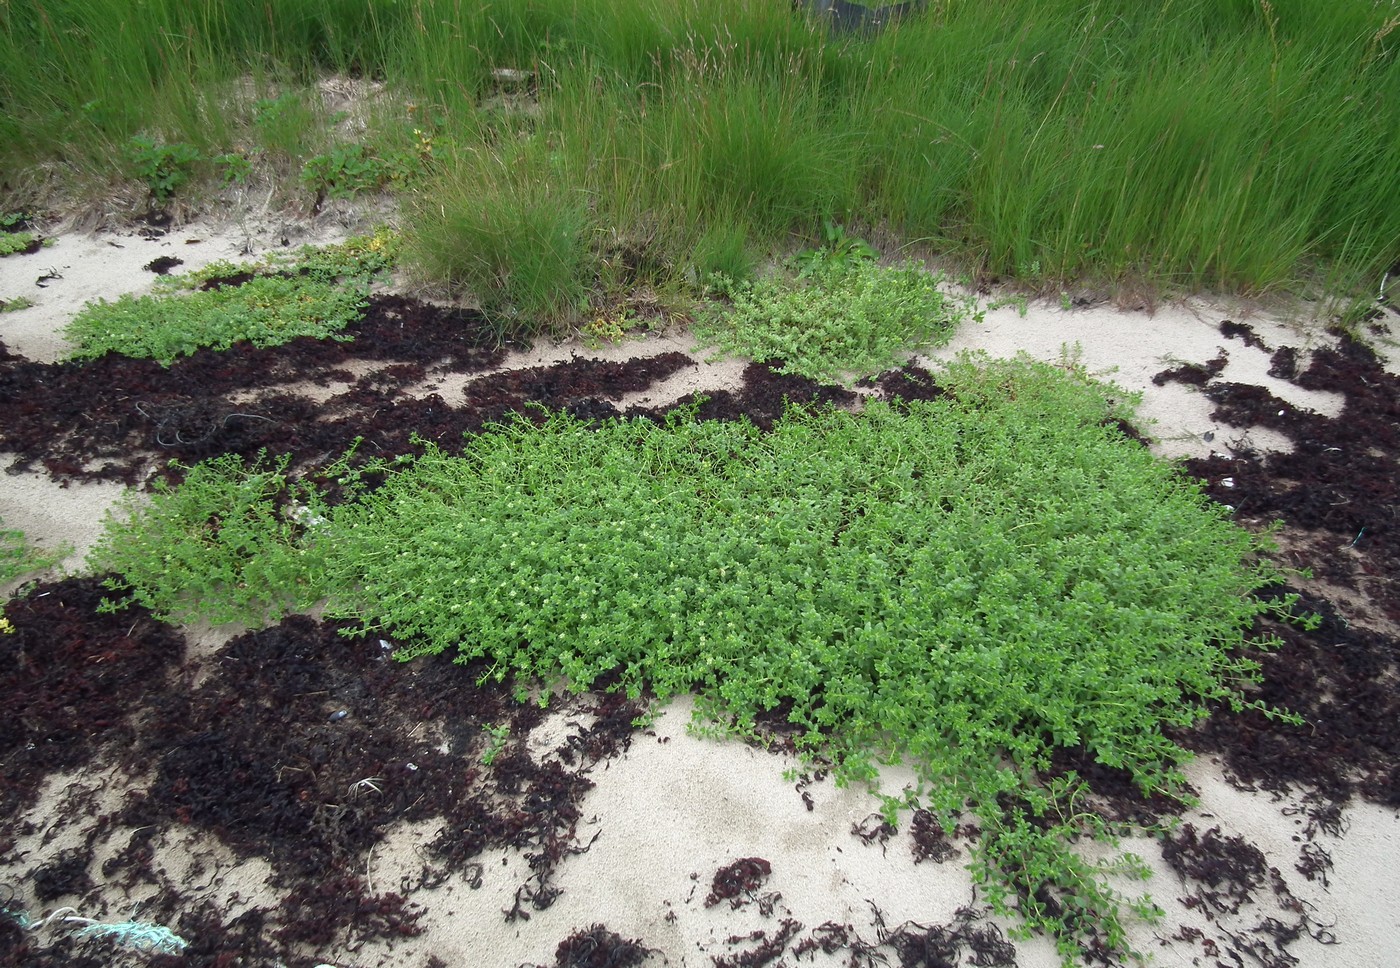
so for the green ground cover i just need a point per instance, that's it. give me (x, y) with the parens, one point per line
(1241, 144)
(12, 242)
(316, 293)
(836, 321)
(965, 584)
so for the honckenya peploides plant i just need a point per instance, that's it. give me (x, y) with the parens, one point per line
(965, 584)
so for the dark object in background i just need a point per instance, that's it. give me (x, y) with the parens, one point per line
(854, 18)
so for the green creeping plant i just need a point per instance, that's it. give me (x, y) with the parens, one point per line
(965, 585)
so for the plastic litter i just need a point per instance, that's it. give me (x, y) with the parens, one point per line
(140, 935)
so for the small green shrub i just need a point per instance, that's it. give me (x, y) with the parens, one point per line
(199, 278)
(163, 167)
(358, 256)
(316, 292)
(16, 304)
(265, 311)
(348, 170)
(848, 316)
(232, 168)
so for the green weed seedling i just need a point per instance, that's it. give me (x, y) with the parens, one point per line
(16, 236)
(1015, 300)
(839, 250)
(232, 168)
(19, 558)
(499, 736)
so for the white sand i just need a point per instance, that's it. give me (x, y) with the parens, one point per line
(1129, 348)
(676, 808)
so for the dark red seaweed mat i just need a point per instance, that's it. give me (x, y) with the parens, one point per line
(111, 418)
(1338, 494)
(305, 746)
(70, 680)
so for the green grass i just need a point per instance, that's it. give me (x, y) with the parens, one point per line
(1227, 144)
(16, 304)
(500, 227)
(965, 584)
